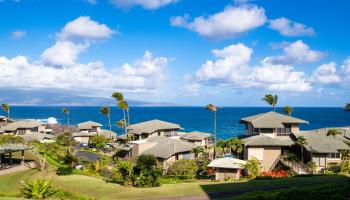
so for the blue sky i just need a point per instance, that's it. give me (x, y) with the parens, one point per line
(189, 52)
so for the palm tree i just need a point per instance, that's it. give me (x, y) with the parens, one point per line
(333, 132)
(271, 100)
(213, 109)
(6, 108)
(236, 146)
(121, 123)
(197, 150)
(288, 110)
(220, 145)
(123, 105)
(347, 107)
(67, 112)
(107, 112)
(301, 141)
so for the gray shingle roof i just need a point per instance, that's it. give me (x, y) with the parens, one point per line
(7, 148)
(37, 136)
(21, 124)
(167, 147)
(152, 126)
(272, 120)
(262, 140)
(105, 133)
(318, 141)
(88, 125)
(195, 136)
(227, 163)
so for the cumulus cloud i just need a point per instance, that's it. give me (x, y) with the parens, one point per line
(145, 75)
(290, 28)
(146, 4)
(346, 69)
(18, 34)
(83, 28)
(92, 2)
(231, 21)
(63, 53)
(297, 52)
(231, 68)
(326, 73)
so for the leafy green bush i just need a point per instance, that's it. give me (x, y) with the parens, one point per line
(334, 168)
(123, 172)
(345, 166)
(253, 167)
(64, 170)
(186, 168)
(148, 178)
(202, 164)
(98, 141)
(65, 139)
(37, 189)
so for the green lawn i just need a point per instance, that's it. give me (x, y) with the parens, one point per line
(99, 189)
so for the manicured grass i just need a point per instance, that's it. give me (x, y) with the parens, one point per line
(99, 189)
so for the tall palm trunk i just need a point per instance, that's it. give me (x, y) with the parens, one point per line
(125, 130)
(68, 121)
(302, 154)
(109, 122)
(8, 114)
(127, 111)
(214, 135)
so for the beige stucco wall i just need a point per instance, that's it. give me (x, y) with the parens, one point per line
(270, 156)
(82, 139)
(41, 129)
(295, 128)
(137, 149)
(225, 174)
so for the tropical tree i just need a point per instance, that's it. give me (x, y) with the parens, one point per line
(121, 124)
(288, 110)
(212, 108)
(107, 112)
(253, 167)
(333, 132)
(98, 141)
(67, 112)
(37, 189)
(197, 150)
(301, 141)
(220, 144)
(271, 100)
(6, 108)
(347, 107)
(11, 139)
(65, 139)
(123, 105)
(236, 146)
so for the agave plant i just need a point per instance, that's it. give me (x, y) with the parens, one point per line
(37, 189)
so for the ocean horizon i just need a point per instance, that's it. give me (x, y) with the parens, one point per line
(191, 118)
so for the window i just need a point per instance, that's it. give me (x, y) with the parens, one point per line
(246, 126)
(266, 130)
(256, 130)
(21, 131)
(35, 129)
(333, 155)
(287, 130)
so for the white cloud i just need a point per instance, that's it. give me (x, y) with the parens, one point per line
(231, 69)
(63, 53)
(145, 75)
(287, 27)
(231, 21)
(326, 73)
(85, 29)
(297, 52)
(146, 4)
(18, 34)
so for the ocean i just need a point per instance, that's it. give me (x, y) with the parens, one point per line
(190, 118)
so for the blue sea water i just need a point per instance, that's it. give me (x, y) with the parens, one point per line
(190, 118)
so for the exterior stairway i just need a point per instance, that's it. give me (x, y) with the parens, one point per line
(299, 168)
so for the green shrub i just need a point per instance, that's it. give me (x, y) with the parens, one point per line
(64, 170)
(185, 168)
(37, 189)
(147, 172)
(334, 168)
(148, 178)
(345, 166)
(123, 173)
(202, 164)
(253, 167)
(65, 139)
